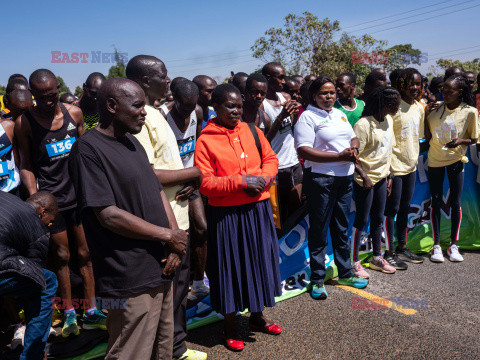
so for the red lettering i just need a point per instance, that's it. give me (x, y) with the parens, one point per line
(84, 57)
(83, 304)
(74, 58)
(385, 57)
(56, 56)
(356, 57)
(356, 302)
(75, 303)
(65, 58)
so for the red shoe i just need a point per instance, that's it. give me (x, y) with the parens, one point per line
(271, 329)
(234, 344)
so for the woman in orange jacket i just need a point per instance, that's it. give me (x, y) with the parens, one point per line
(242, 261)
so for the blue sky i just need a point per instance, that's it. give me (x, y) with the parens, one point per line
(213, 37)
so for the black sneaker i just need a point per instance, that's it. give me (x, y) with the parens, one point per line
(394, 261)
(407, 255)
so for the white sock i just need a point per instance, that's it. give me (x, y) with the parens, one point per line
(198, 284)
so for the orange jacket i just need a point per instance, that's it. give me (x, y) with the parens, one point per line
(225, 157)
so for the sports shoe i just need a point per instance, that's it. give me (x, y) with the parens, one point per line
(18, 336)
(198, 294)
(192, 355)
(454, 254)
(407, 255)
(70, 325)
(95, 321)
(380, 264)
(437, 254)
(359, 270)
(354, 281)
(394, 261)
(319, 292)
(52, 332)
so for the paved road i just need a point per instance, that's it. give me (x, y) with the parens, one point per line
(448, 329)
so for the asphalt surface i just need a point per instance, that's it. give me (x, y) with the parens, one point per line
(447, 327)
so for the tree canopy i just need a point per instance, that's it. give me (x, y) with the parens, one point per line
(117, 70)
(63, 87)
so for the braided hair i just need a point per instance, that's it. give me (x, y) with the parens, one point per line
(378, 99)
(461, 82)
(406, 79)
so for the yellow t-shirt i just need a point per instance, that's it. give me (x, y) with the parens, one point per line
(408, 128)
(375, 151)
(160, 144)
(2, 104)
(444, 125)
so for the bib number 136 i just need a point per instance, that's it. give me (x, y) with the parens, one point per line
(60, 147)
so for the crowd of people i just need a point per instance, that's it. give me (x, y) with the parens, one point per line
(148, 187)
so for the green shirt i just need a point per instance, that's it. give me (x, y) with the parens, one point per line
(352, 115)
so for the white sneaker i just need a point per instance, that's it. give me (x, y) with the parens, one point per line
(18, 336)
(437, 254)
(454, 254)
(198, 293)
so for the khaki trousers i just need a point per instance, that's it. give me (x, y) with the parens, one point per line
(144, 329)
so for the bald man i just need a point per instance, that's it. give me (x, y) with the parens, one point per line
(88, 100)
(45, 135)
(13, 84)
(129, 221)
(160, 143)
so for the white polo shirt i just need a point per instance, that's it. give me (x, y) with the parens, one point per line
(325, 131)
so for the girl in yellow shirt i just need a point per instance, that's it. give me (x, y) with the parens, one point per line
(451, 128)
(375, 133)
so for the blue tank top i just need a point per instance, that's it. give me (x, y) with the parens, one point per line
(9, 175)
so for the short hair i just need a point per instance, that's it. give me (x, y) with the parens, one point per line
(305, 91)
(63, 97)
(219, 95)
(175, 81)
(17, 76)
(291, 80)
(238, 79)
(41, 76)
(140, 66)
(111, 88)
(378, 99)
(44, 200)
(373, 77)
(255, 77)
(20, 95)
(452, 70)
(199, 80)
(15, 84)
(394, 76)
(351, 77)
(436, 81)
(270, 67)
(406, 79)
(186, 89)
(94, 76)
(315, 86)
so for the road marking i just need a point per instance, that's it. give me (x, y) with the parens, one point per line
(379, 300)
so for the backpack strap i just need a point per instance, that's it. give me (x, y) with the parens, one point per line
(253, 129)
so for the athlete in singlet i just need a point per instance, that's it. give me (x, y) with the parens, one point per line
(45, 136)
(183, 120)
(255, 92)
(88, 100)
(283, 111)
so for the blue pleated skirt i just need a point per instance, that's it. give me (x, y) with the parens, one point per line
(242, 258)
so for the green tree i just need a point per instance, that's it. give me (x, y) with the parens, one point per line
(403, 56)
(307, 45)
(63, 87)
(78, 91)
(473, 65)
(3, 90)
(117, 70)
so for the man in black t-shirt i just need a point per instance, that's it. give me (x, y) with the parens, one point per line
(131, 229)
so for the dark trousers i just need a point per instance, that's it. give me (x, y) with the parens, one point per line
(371, 203)
(38, 310)
(398, 203)
(181, 282)
(436, 175)
(328, 202)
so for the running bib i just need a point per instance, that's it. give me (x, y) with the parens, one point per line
(186, 146)
(4, 172)
(59, 148)
(286, 126)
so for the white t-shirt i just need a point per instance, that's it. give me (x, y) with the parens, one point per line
(186, 141)
(283, 143)
(325, 131)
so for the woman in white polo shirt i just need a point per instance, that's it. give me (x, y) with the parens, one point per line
(326, 141)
